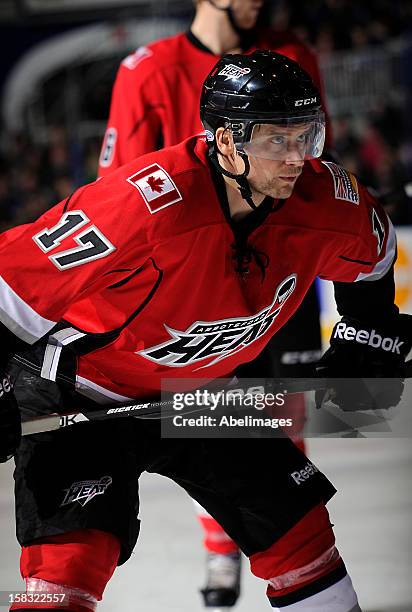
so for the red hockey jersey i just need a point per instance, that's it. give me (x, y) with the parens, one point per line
(157, 92)
(147, 253)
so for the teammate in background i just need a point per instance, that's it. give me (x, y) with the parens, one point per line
(155, 98)
(155, 102)
(97, 287)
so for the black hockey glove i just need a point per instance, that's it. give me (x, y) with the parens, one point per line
(358, 350)
(10, 424)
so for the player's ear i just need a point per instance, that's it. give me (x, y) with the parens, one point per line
(224, 142)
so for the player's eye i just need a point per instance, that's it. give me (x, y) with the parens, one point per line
(302, 138)
(307, 134)
(277, 140)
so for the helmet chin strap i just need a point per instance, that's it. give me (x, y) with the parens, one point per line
(245, 35)
(241, 179)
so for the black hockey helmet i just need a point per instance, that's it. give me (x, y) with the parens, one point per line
(246, 92)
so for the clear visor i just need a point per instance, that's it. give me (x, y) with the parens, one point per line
(291, 138)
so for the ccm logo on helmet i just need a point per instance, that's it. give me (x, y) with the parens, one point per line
(306, 101)
(371, 338)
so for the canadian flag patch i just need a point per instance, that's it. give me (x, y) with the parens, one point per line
(156, 187)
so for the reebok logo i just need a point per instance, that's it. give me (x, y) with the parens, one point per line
(300, 476)
(371, 338)
(5, 386)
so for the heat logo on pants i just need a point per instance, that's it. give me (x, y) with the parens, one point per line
(84, 490)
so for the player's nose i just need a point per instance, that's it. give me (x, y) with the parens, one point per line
(294, 154)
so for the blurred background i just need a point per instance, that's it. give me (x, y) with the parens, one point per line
(57, 69)
(60, 58)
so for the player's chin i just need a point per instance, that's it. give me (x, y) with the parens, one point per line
(249, 22)
(280, 191)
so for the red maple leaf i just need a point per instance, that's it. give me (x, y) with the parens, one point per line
(155, 184)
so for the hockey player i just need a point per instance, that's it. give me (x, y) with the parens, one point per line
(155, 100)
(110, 291)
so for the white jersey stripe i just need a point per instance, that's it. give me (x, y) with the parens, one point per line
(54, 348)
(20, 318)
(97, 393)
(384, 264)
(51, 361)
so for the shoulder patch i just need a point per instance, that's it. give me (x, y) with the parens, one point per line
(134, 59)
(156, 187)
(346, 185)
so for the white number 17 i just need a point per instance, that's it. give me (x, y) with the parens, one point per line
(92, 244)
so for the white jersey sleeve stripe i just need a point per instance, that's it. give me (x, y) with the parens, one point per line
(54, 348)
(384, 264)
(97, 393)
(20, 318)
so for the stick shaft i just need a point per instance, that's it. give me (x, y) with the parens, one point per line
(165, 409)
(154, 410)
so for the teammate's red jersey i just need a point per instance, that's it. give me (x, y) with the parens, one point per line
(149, 253)
(156, 96)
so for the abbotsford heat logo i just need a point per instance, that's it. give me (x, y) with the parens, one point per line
(231, 71)
(85, 490)
(218, 339)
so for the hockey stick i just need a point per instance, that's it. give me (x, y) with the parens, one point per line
(166, 408)
(151, 410)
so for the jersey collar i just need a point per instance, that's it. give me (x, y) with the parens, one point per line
(246, 43)
(196, 43)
